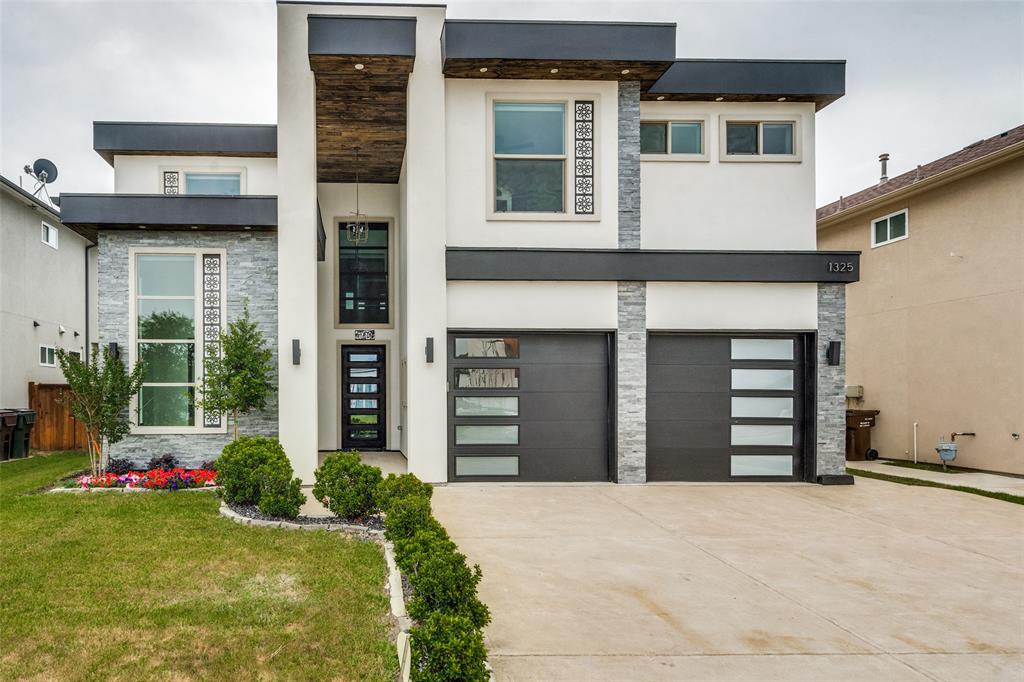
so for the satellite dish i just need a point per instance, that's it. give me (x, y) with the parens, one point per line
(44, 170)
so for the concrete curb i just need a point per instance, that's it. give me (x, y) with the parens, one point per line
(394, 583)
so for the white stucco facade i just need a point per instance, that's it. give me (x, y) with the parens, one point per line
(134, 174)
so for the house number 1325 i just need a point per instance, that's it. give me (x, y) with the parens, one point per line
(840, 266)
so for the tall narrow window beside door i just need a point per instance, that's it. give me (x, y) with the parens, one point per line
(363, 276)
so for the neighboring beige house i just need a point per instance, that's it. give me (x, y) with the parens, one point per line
(935, 326)
(42, 292)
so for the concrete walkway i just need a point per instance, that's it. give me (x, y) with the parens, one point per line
(972, 479)
(876, 581)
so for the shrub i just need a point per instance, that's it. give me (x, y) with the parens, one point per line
(441, 581)
(446, 647)
(279, 496)
(244, 462)
(119, 466)
(165, 462)
(409, 552)
(346, 486)
(406, 516)
(394, 487)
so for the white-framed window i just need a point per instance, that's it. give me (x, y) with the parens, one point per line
(542, 157)
(167, 326)
(757, 139)
(674, 140)
(49, 234)
(47, 356)
(213, 182)
(890, 228)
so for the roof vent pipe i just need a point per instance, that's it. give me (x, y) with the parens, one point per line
(884, 159)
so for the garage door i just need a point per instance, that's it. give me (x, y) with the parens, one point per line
(725, 407)
(528, 407)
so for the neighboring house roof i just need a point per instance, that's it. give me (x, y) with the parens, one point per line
(51, 213)
(971, 158)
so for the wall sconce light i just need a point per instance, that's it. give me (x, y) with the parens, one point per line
(832, 352)
(296, 352)
(34, 323)
(430, 349)
(76, 335)
(114, 351)
(61, 330)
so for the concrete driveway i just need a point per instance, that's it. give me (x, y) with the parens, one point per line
(876, 581)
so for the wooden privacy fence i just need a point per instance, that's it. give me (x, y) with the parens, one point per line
(55, 428)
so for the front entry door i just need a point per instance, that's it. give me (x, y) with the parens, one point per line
(363, 393)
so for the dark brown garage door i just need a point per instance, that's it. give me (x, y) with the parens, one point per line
(726, 407)
(528, 407)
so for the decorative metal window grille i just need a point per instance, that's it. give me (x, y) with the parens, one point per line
(170, 182)
(584, 157)
(212, 273)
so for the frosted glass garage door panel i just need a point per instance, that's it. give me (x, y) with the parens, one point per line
(505, 465)
(762, 408)
(761, 434)
(761, 465)
(762, 380)
(762, 349)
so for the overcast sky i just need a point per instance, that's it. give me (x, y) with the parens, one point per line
(923, 78)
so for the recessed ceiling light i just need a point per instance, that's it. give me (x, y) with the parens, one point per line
(719, 99)
(142, 227)
(554, 70)
(483, 69)
(625, 71)
(782, 99)
(360, 67)
(661, 97)
(195, 227)
(247, 227)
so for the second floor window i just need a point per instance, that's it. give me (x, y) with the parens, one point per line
(213, 183)
(529, 157)
(754, 138)
(49, 235)
(363, 277)
(890, 228)
(672, 137)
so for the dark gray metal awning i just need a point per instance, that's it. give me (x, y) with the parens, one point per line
(169, 211)
(183, 139)
(497, 264)
(821, 82)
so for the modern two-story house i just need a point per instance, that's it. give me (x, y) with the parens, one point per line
(510, 250)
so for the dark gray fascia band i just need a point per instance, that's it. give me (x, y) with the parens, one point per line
(132, 210)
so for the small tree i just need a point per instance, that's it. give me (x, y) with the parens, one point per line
(238, 379)
(99, 396)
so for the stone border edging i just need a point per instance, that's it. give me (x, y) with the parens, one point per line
(394, 584)
(118, 489)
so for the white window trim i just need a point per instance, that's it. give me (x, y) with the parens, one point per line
(48, 348)
(668, 155)
(182, 171)
(725, 119)
(906, 233)
(53, 230)
(569, 157)
(133, 253)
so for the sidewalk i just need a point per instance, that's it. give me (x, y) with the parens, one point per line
(992, 482)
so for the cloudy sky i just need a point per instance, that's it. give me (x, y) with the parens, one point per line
(923, 78)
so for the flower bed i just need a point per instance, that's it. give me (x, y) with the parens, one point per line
(154, 479)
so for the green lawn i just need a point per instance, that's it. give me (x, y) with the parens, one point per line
(924, 466)
(159, 586)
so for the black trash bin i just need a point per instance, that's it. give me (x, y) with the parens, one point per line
(8, 421)
(858, 435)
(22, 433)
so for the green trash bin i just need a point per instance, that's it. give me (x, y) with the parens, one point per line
(8, 421)
(22, 433)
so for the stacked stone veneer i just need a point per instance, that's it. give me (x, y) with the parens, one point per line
(251, 266)
(631, 334)
(831, 417)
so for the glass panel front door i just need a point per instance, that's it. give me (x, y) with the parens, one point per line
(363, 425)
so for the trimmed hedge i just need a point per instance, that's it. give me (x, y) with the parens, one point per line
(255, 470)
(394, 487)
(346, 486)
(447, 642)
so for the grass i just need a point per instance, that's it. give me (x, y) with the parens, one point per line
(925, 466)
(159, 586)
(1005, 497)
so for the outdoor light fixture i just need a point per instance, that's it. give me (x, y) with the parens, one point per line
(296, 351)
(625, 71)
(360, 67)
(483, 69)
(114, 351)
(357, 227)
(782, 99)
(661, 97)
(430, 349)
(554, 70)
(34, 323)
(832, 352)
(719, 99)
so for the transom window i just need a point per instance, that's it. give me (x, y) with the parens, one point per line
(165, 332)
(49, 235)
(363, 276)
(672, 137)
(529, 157)
(890, 228)
(213, 183)
(760, 138)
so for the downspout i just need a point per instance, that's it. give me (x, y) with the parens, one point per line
(915, 442)
(87, 354)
